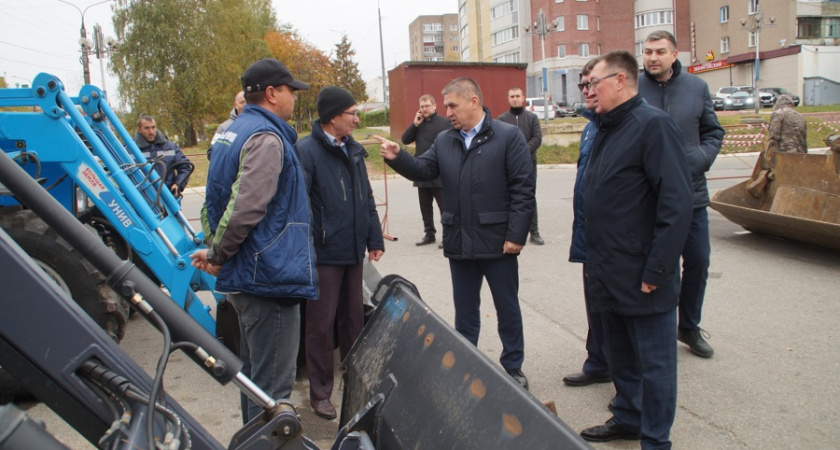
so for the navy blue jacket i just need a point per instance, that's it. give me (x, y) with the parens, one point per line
(275, 257)
(577, 251)
(169, 154)
(488, 191)
(638, 210)
(685, 97)
(345, 222)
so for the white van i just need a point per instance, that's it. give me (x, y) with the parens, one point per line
(537, 106)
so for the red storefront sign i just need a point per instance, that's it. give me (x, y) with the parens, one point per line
(705, 67)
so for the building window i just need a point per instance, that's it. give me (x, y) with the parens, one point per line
(429, 49)
(464, 32)
(583, 50)
(808, 28)
(508, 34)
(724, 45)
(655, 18)
(453, 27)
(751, 37)
(724, 14)
(465, 54)
(561, 51)
(832, 28)
(598, 23)
(454, 48)
(582, 22)
(509, 58)
(432, 27)
(752, 6)
(503, 8)
(560, 21)
(558, 1)
(640, 48)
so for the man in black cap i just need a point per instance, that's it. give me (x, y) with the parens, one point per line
(345, 224)
(256, 221)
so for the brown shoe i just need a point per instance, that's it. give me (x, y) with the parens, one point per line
(323, 408)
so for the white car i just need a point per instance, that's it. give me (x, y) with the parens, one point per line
(537, 106)
(726, 91)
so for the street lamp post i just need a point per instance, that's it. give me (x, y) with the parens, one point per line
(542, 29)
(754, 25)
(84, 42)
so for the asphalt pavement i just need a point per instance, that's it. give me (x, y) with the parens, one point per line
(771, 311)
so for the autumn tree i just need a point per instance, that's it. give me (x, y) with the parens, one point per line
(346, 70)
(181, 60)
(308, 64)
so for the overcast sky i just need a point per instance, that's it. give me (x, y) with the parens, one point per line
(42, 35)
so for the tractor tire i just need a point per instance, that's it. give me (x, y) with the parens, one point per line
(69, 269)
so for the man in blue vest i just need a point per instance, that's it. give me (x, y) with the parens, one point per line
(256, 221)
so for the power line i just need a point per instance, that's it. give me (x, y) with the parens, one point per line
(39, 51)
(34, 65)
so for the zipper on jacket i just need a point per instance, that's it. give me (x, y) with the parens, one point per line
(343, 187)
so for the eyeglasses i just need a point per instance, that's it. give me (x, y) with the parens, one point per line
(593, 83)
(352, 113)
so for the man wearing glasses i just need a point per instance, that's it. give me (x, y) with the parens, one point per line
(345, 225)
(637, 202)
(686, 98)
(424, 129)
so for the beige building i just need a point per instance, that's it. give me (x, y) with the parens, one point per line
(435, 38)
(474, 20)
(796, 43)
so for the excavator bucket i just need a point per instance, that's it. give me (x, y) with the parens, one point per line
(790, 195)
(411, 381)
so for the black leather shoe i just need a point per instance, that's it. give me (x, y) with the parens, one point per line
(585, 379)
(536, 239)
(695, 341)
(609, 431)
(425, 241)
(519, 377)
(323, 408)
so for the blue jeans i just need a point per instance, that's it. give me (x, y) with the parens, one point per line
(268, 347)
(502, 276)
(642, 352)
(695, 257)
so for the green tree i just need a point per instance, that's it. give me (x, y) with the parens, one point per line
(346, 70)
(181, 60)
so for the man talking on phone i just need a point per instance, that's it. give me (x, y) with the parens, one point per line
(423, 130)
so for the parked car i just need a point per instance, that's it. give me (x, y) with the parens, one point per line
(537, 106)
(739, 100)
(726, 91)
(717, 102)
(767, 99)
(776, 92)
(570, 111)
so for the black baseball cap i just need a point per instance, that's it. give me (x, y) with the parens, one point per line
(269, 72)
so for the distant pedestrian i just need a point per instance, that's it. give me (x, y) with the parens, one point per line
(424, 129)
(529, 124)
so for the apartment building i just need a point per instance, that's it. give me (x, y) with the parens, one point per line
(435, 38)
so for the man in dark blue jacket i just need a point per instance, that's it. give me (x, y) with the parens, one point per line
(686, 98)
(488, 187)
(256, 222)
(595, 368)
(173, 167)
(637, 202)
(345, 224)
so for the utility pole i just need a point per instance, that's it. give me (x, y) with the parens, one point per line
(754, 25)
(84, 42)
(542, 29)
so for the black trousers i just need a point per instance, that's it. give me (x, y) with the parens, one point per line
(425, 196)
